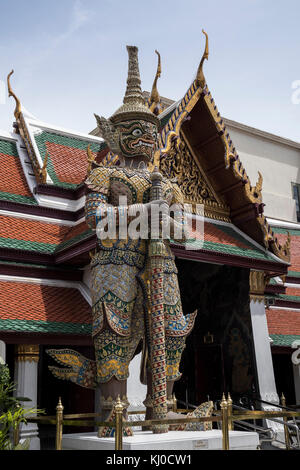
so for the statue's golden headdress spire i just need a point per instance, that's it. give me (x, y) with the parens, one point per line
(154, 97)
(17, 111)
(200, 76)
(133, 94)
(133, 102)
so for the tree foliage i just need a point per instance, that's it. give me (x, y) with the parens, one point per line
(12, 413)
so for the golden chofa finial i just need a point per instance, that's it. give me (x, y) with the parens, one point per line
(200, 76)
(43, 170)
(17, 111)
(154, 97)
(90, 158)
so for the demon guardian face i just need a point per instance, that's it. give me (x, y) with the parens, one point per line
(132, 131)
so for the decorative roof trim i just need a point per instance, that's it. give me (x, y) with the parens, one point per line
(11, 136)
(276, 307)
(283, 224)
(61, 130)
(14, 268)
(12, 208)
(40, 218)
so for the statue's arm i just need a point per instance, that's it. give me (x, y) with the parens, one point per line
(95, 208)
(97, 190)
(177, 224)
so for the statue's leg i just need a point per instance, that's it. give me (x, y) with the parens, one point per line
(109, 394)
(114, 293)
(112, 371)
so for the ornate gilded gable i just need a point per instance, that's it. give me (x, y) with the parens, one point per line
(180, 164)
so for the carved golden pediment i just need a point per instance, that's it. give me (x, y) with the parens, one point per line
(181, 166)
(258, 281)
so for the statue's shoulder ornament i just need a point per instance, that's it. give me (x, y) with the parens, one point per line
(99, 179)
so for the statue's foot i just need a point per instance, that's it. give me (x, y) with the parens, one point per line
(109, 431)
(178, 426)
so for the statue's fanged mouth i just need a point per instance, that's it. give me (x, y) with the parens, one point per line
(142, 143)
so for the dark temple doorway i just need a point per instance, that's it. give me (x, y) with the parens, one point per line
(219, 354)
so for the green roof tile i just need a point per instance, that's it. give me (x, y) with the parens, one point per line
(284, 340)
(17, 198)
(32, 326)
(74, 240)
(294, 273)
(40, 247)
(285, 231)
(230, 250)
(8, 147)
(291, 298)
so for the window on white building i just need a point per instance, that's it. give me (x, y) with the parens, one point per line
(296, 197)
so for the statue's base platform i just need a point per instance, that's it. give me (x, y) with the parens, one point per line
(173, 440)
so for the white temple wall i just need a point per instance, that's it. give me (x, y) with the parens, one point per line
(279, 165)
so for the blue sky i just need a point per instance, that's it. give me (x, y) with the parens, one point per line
(70, 57)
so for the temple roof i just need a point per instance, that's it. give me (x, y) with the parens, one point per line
(224, 243)
(43, 309)
(42, 226)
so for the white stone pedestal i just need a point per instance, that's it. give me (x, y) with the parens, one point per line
(173, 440)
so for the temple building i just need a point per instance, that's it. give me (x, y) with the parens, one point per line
(243, 277)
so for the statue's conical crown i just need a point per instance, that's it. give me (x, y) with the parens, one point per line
(133, 102)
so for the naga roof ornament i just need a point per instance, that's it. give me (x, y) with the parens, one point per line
(17, 111)
(200, 75)
(154, 100)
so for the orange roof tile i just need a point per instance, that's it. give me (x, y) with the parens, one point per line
(283, 322)
(70, 164)
(12, 179)
(37, 231)
(27, 301)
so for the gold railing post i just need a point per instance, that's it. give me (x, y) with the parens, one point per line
(59, 425)
(286, 431)
(229, 411)
(174, 404)
(16, 435)
(16, 432)
(225, 430)
(119, 424)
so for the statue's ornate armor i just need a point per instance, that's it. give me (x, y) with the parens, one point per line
(119, 292)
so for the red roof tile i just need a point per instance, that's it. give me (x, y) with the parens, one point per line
(295, 250)
(27, 301)
(37, 231)
(12, 179)
(283, 322)
(70, 164)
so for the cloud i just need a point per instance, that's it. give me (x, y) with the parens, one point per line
(80, 16)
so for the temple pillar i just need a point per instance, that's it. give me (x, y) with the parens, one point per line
(263, 356)
(296, 369)
(262, 347)
(2, 352)
(26, 379)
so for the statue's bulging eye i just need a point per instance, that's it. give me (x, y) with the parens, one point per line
(137, 132)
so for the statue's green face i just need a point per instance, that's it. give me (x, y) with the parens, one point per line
(137, 139)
